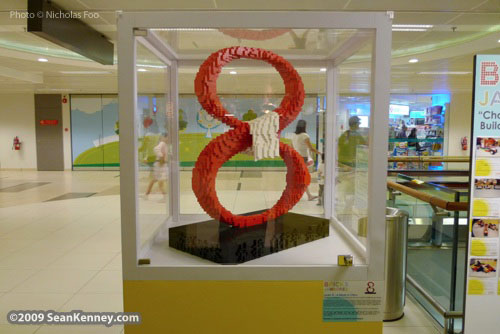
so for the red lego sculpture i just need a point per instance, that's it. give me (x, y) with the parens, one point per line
(222, 148)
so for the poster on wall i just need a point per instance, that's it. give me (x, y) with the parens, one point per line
(483, 280)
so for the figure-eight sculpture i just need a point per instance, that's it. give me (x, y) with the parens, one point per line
(226, 145)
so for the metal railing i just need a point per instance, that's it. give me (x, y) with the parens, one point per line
(447, 315)
(429, 159)
(432, 200)
(441, 208)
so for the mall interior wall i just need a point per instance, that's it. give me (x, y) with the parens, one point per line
(17, 112)
(17, 115)
(66, 119)
(460, 124)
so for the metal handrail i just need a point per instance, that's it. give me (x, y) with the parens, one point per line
(420, 172)
(429, 159)
(432, 200)
(431, 300)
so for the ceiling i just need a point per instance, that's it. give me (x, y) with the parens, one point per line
(460, 29)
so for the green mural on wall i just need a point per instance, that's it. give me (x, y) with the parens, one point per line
(107, 155)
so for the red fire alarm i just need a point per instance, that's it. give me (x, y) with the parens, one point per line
(64, 100)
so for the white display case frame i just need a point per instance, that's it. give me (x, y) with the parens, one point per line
(133, 25)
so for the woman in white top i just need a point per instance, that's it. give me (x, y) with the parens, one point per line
(160, 166)
(302, 144)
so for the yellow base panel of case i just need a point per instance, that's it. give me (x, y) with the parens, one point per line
(243, 307)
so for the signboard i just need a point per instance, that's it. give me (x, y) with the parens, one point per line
(49, 122)
(398, 109)
(352, 301)
(483, 281)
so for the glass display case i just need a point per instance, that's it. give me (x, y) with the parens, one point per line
(242, 166)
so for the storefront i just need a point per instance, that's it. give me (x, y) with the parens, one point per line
(95, 127)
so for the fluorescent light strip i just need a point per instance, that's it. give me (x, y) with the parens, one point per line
(84, 72)
(427, 26)
(152, 66)
(183, 29)
(451, 221)
(408, 29)
(56, 89)
(445, 73)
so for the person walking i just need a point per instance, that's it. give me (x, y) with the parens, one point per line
(301, 142)
(160, 167)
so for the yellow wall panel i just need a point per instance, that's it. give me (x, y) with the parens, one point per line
(219, 307)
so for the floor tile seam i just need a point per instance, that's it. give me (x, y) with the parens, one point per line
(77, 245)
(427, 315)
(22, 281)
(62, 254)
(19, 250)
(37, 329)
(412, 326)
(72, 294)
(40, 202)
(49, 232)
(17, 228)
(112, 259)
(88, 281)
(99, 269)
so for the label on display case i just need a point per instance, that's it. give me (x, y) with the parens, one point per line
(483, 280)
(352, 301)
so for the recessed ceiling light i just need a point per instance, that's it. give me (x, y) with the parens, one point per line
(408, 29)
(233, 72)
(426, 26)
(152, 66)
(413, 60)
(445, 73)
(499, 41)
(84, 72)
(183, 29)
(323, 69)
(142, 70)
(43, 60)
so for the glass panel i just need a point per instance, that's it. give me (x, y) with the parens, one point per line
(250, 91)
(288, 43)
(353, 118)
(154, 150)
(86, 131)
(437, 241)
(110, 132)
(94, 131)
(417, 128)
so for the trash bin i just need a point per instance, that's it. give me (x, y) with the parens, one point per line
(395, 263)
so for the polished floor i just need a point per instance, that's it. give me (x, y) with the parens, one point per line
(60, 242)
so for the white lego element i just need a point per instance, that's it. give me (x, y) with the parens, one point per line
(265, 140)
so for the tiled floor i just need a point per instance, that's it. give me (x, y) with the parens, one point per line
(65, 254)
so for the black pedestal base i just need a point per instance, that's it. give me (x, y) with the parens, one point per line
(224, 244)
